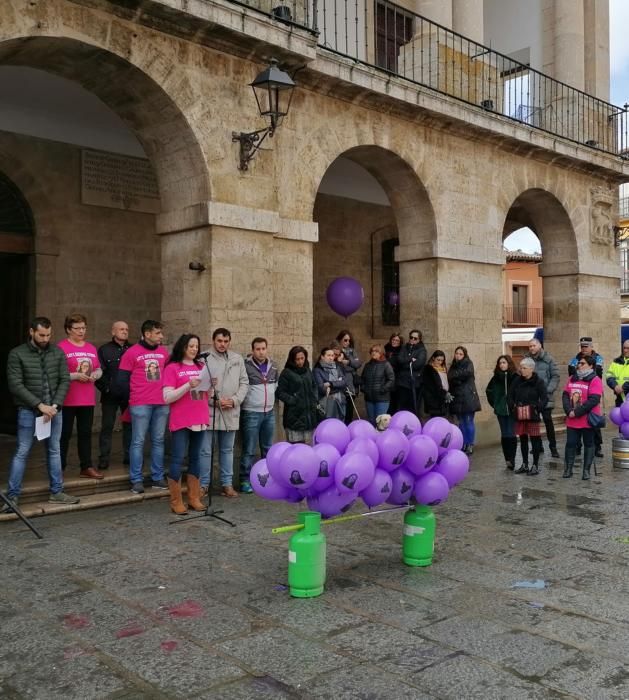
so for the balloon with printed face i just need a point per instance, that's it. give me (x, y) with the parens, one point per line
(624, 429)
(353, 472)
(454, 466)
(299, 467)
(264, 485)
(362, 429)
(402, 482)
(274, 455)
(407, 422)
(331, 502)
(345, 296)
(615, 416)
(431, 489)
(422, 454)
(334, 432)
(455, 439)
(328, 456)
(624, 410)
(441, 431)
(393, 449)
(378, 490)
(364, 446)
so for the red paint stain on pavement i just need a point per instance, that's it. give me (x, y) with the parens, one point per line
(73, 652)
(76, 622)
(169, 645)
(130, 630)
(189, 608)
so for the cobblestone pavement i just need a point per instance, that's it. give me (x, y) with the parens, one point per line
(115, 603)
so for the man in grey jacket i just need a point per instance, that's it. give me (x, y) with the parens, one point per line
(230, 382)
(546, 368)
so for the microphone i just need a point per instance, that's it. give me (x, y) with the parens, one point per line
(203, 355)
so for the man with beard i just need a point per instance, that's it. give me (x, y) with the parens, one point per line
(38, 379)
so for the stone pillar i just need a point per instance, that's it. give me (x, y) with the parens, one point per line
(569, 44)
(439, 11)
(467, 19)
(597, 48)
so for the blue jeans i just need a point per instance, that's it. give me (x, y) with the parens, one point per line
(145, 419)
(25, 439)
(507, 426)
(225, 441)
(466, 424)
(376, 408)
(257, 430)
(183, 441)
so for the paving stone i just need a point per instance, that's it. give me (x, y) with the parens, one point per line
(590, 676)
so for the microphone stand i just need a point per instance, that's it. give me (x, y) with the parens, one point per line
(209, 511)
(20, 515)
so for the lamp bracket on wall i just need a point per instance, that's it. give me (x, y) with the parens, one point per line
(250, 142)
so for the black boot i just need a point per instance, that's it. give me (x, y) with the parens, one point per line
(588, 458)
(569, 462)
(536, 445)
(523, 469)
(534, 470)
(524, 449)
(511, 451)
(504, 443)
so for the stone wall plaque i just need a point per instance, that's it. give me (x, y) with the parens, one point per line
(118, 181)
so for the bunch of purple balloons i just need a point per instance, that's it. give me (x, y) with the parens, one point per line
(404, 462)
(620, 417)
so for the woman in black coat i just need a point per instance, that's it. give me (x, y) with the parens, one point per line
(391, 351)
(297, 390)
(436, 389)
(465, 401)
(377, 381)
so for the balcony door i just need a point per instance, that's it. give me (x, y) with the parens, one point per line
(519, 302)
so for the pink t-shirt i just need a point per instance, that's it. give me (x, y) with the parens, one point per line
(192, 408)
(82, 359)
(578, 392)
(147, 369)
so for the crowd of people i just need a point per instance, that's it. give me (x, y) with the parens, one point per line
(202, 399)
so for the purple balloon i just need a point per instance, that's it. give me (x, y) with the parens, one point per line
(313, 502)
(295, 495)
(328, 456)
(366, 447)
(393, 448)
(624, 429)
(407, 422)
(345, 296)
(624, 410)
(264, 485)
(615, 416)
(274, 455)
(299, 467)
(402, 482)
(456, 440)
(440, 430)
(334, 432)
(332, 503)
(431, 489)
(353, 472)
(378, 490)
(393, 298)
(362, 429)
(422, 454)
(454, 466)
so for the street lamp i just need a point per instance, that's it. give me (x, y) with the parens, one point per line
(273, 90)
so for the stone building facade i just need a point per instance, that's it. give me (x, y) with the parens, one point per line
(365, 156)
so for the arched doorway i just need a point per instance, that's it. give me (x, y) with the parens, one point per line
(16, 247)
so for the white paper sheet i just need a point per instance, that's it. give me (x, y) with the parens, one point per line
(42, 428)
(205, 384)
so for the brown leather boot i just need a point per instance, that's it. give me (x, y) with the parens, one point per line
(194, 493)
(176, 504)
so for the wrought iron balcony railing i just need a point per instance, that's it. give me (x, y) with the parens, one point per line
(522, 316)
(384, 35)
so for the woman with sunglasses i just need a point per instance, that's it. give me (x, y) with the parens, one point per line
(351, 364)
(581, 396)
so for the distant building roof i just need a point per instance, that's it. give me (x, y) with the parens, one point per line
(521, 256)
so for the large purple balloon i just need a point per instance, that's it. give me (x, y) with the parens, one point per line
(393, 449)
(407, 422)
(624, 410)
(345, 296)
(334, 432)
(274, 455)
(365, 447)
(378, 490)
(431, 489)
(353, 472)
(299, 467)
(402, 482)
(263, 484)
(362, 429)
(422, 454)
(455, 441)
(624, 429)
(454, 465)
(328, 456)
(440, 430)
(331, 502)
(615, 416)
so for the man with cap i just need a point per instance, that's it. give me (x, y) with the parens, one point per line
(586, 348)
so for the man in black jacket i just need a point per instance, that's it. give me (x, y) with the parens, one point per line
(109, 357)
(409, 365)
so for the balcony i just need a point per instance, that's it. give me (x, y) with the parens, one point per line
(397, 41)
(522, 316)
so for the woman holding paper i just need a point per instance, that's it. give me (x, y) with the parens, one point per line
(188, 421)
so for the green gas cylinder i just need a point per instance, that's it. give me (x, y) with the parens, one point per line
(418, 541)
(306, 557)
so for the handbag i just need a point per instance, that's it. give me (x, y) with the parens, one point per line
(526, 412)
(596, 420)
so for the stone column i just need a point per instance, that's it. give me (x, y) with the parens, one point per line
(569, 43)
(439, 11)
(467, 19)
(597, 49)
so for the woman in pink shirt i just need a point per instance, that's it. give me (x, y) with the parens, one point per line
(581, 397)
(188, 421)
(84, 368)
